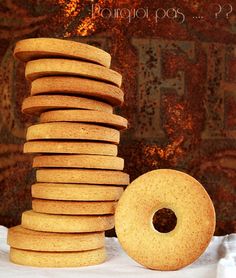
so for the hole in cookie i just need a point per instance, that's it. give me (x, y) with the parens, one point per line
(164, 220)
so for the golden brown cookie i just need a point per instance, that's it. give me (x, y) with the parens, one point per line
(71, 131)
(73, 208)
(21, 238)
(42, 103)
(191, 205)
(79, 86)
(35, 48)
(76, 192)
(66, 223)
(57, 259)
(82, 176)
(79, 161)
(84, 116)
(68, 147)
(47, 67)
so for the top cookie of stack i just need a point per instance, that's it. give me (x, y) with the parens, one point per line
(79, 177)
(62, 66)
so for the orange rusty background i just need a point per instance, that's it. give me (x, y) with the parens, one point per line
(179, 80)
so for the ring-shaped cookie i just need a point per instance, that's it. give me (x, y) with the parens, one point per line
(192, 206)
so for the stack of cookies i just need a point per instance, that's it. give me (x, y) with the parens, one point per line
(79, 177)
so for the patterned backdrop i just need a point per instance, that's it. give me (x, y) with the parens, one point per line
(178, 61)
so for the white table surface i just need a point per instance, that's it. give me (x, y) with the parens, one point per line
(218, 261)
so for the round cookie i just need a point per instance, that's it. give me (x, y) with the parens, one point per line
(80, 86)
(21, 238)
(76, 192)
(84, 116)
(192, 206)
(79, 161)
(71, 131)
(47, 67)
(57, 259)
(42, 103)
(73, 208)
(82, 176)
(67, 147)
(35, 48)
(66, 223)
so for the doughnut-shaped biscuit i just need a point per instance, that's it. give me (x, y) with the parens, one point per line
(192, 206)
(21, 238)
(79, 161)
(57, 259)
(35, 48)
(67, 147)
(84, 116)
(38, 104)
(76, 192)
(82, 176)
(66, 223)
(70, 131)
(47, 67)
(73, 208)
(78, 86)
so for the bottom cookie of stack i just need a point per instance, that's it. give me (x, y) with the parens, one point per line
(57, 259)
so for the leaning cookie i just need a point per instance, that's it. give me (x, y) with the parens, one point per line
(35, 48)
(51, 67)
(192, 207)
(84, 116)
(71, 85)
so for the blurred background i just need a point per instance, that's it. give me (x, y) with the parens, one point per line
(178, 61)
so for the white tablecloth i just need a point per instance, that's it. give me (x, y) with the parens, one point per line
(218, 261)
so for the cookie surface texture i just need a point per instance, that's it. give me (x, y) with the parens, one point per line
(192, 206)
